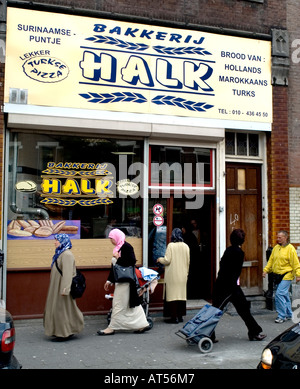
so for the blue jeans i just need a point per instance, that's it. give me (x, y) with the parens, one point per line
(282, 300)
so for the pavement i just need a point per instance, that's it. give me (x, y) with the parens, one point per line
(159, 349)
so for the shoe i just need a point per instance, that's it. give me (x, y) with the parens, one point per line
(258, 337)
(180, 320)
(289, 318)
(171, 321)
(279, 320)
(142, 330)
(62, 339)
(102, 333)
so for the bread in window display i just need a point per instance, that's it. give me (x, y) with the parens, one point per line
(40, 229)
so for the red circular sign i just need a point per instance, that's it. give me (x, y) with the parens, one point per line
(158, 209)
(158, 221)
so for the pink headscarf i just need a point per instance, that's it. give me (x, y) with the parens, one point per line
(119, 237)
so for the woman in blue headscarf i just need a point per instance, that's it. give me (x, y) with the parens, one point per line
(62, 317)
(177, 262)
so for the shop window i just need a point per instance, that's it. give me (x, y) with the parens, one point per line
(88, 185)
(181, 166)
(242, 144)
(157, 234)
(47, 152)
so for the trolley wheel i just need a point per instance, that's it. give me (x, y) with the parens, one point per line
(205, 345)
(150, 322)
(108, 317)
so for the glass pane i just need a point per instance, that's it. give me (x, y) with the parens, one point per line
(204, 158)
(180, 165)
(253, 145)
(241, 144)
(173, 167)
(78, 183)
(230, 143)
(157, 238)
(241, 179)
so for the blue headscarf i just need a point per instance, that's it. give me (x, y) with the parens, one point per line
(176, 235)
(65, 244)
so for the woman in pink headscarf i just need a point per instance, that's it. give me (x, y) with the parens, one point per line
(127, 312)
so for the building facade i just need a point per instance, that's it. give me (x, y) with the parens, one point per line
(144, 117)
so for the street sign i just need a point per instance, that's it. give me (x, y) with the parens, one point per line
(158, 221)
(158, 209)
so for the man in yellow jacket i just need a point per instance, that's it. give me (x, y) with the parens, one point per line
(284, 264)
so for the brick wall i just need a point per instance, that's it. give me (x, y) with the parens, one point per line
(294, 92)
(235, 14)
(278, 169)
(294, 120)
(294, 215)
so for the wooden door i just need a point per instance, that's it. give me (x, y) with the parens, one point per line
(244, 210)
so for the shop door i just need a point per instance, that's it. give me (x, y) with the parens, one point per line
(244, 210)
(199, 235)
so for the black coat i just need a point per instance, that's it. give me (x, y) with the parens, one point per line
(127, 258)
(230, 269)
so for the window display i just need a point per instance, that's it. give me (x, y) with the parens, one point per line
(83, 186)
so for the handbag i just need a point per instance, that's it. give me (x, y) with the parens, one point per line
(123, 273)
(78, 285)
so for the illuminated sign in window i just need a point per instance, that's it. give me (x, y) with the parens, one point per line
(68, 184)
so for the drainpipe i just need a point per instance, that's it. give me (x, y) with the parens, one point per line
(31, 211)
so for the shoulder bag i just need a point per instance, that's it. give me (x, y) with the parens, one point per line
(78, 285)
(124, 273)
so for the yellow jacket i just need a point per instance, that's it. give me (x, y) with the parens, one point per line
(284, 259)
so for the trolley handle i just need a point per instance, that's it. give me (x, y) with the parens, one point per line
(224, 303)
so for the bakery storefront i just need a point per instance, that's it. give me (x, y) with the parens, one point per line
(113, 124)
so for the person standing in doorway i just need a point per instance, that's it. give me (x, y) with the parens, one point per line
(228, 289)
(284, 264)
(177, 262)
(195, 283)
(196, 230)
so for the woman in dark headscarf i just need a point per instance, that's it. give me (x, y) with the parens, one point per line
(176, 261)
(62, 317)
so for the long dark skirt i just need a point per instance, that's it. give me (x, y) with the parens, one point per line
(175, 309)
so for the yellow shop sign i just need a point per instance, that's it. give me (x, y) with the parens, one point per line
(68, 184)
(69, 61)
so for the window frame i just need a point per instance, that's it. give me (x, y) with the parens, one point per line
(185, 186)
(248, 156)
